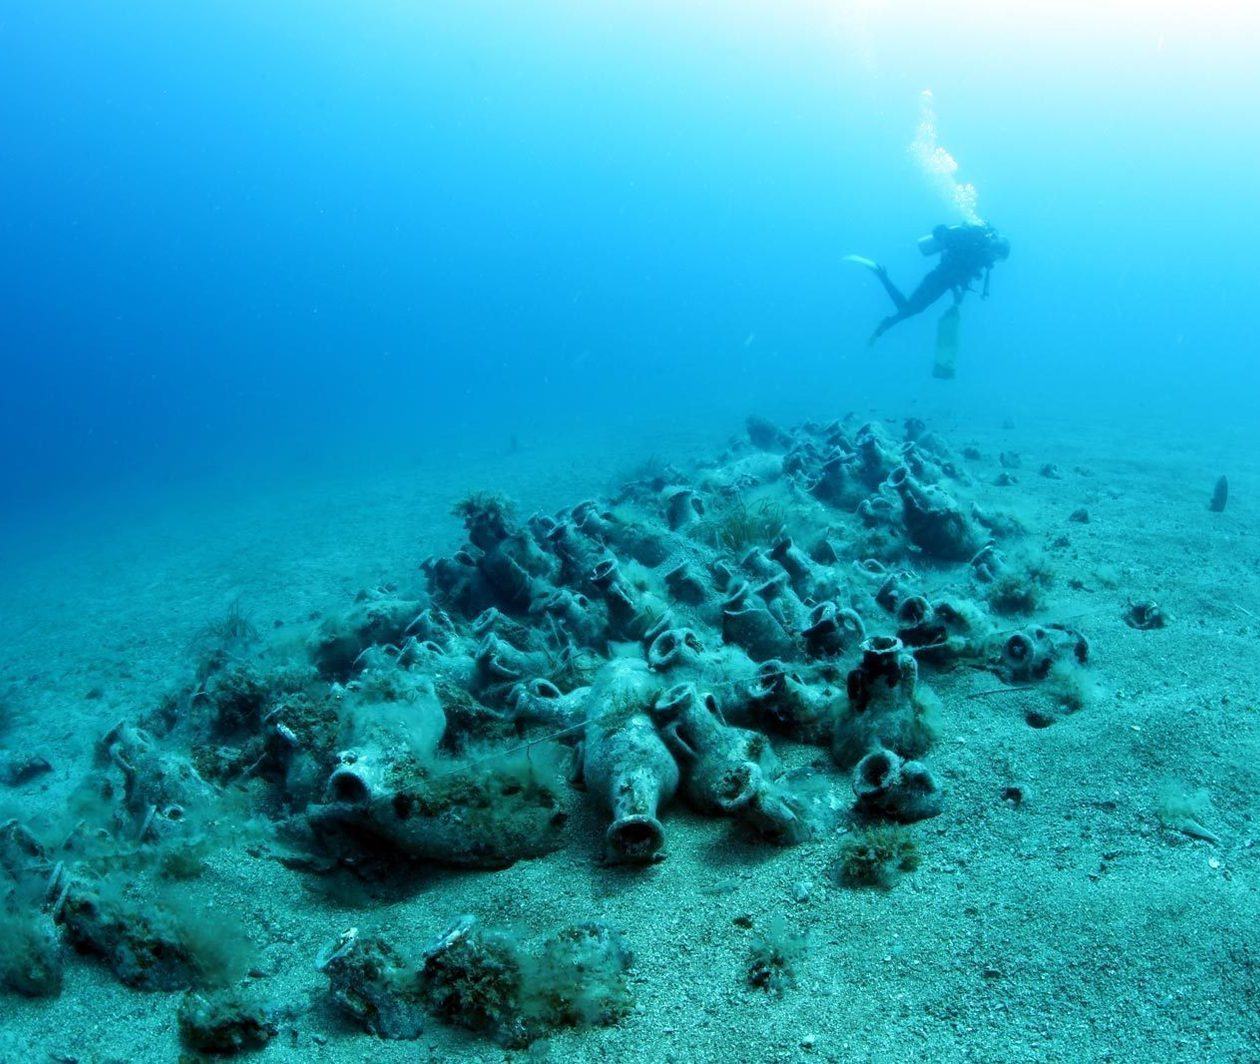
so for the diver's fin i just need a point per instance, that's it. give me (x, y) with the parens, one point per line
(861, 260)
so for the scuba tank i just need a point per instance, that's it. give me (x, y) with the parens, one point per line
(966, 238)
(947, 343)
(940, 238)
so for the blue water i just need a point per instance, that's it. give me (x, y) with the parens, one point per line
(239, 233)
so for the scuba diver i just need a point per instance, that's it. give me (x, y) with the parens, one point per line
(967, 252)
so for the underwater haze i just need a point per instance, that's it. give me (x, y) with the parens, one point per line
(240, 233)
(643, 530)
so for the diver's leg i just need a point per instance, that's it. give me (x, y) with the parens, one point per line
(894, 293)
(886, 324)
(930, 289)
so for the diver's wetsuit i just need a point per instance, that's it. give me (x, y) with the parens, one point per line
(967, 252)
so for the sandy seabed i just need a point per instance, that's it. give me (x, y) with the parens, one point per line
(1075, 924)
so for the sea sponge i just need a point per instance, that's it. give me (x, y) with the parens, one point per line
(875, 856)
